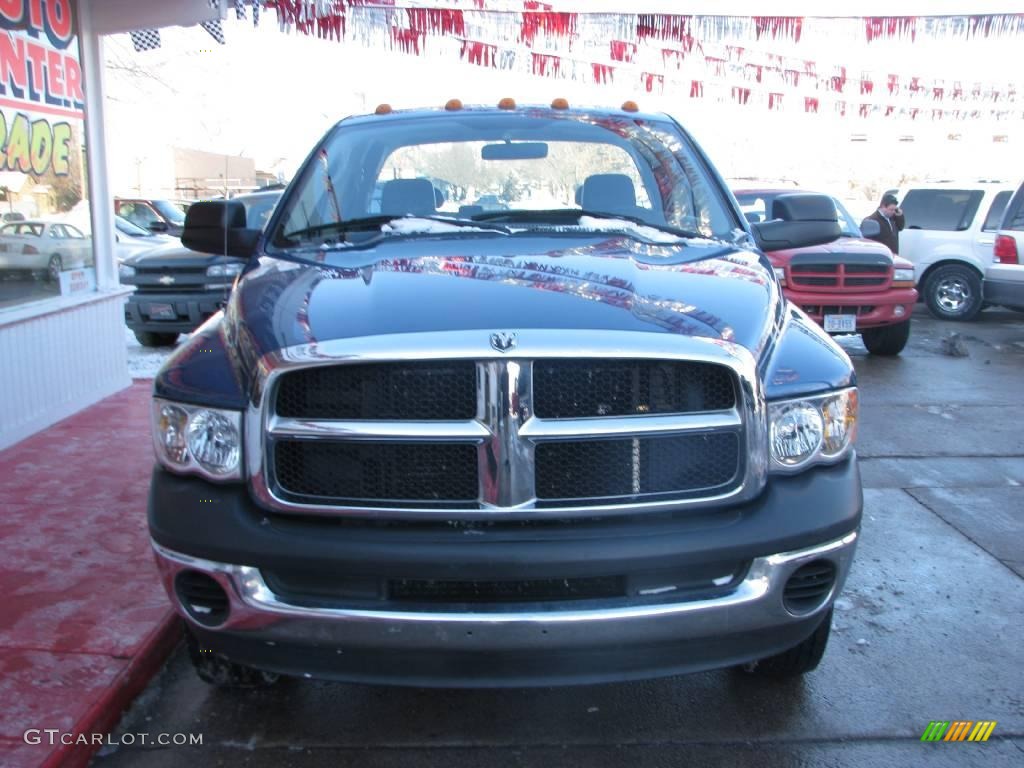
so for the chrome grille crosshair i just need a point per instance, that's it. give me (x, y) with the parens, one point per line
(505, 432)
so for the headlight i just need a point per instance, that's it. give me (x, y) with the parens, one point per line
(780, 273)
(812, 430)
(213, 442)
(903, 275)
(225, 270)
(205, 441)
(124, 270)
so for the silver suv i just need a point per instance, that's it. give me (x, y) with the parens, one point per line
(950, 231)
(1004, 279)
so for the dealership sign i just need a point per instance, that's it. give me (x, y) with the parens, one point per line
(40, 86)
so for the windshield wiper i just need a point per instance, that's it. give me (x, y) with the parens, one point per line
(375, 222)
(572, 215)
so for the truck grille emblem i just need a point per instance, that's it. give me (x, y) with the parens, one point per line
(166, 280)
(503, 342)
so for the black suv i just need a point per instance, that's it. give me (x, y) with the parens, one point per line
(177, 289)
(550, 442)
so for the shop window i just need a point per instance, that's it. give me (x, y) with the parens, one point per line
(46, 246)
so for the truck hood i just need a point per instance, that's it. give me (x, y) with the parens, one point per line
(173, 255)
(593, 281)
(856, 247)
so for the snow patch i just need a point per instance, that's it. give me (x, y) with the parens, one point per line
(631, 227)
(415, 226)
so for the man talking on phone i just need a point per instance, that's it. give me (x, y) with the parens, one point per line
(890, 219)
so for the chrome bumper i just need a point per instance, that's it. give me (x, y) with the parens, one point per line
(756, 603)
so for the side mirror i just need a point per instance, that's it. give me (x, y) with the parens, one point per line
(799, 221)
(870, 228)
(219, 227)
(158, 226)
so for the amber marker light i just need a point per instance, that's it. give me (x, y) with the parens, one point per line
(630, 106)
(382, 109)
(507, 103)
(560, 104)
(453, 105)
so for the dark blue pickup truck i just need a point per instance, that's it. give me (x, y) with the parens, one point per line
(575, 437)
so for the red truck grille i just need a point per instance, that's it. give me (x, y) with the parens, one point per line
(840, 277)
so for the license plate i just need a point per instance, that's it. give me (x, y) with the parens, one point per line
(162, 312)
(841, 323)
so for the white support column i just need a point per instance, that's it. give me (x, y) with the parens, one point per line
(101, 203)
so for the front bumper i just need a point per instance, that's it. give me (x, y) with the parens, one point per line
(813, 517)
(191, 310)
(873, 310)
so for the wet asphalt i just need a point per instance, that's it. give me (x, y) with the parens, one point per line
(929, 627)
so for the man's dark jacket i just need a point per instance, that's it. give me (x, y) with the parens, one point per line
(890, 234)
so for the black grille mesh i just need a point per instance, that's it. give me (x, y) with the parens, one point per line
(430, 390)
(629, 467)
(369, 472)
(522, 591)
(580, 388)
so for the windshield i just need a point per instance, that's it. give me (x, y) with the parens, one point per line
(126, 227)
(516, 166)
(757, 207)
(172, 210)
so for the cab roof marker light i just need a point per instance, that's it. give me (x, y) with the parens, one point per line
(382, 109)
(453, 105)
(507, 103)
(560, 103)
(630, 106)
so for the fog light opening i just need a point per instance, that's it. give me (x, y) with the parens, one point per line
(202, 598)
(809, 587)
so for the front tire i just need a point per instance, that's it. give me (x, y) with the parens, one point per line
(888, 340)
(799, 659)
(220, 672)
(953, 292)
(153, 339)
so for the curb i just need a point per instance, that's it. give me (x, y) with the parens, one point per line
(103, 715)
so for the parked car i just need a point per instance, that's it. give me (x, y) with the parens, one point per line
(12, 216)
(177, 289)
(949, 235)
(1004, 278)
(527, 447)
(853, 285)
(133, 240)
(163, 216)
(490, 203)
(45, 248)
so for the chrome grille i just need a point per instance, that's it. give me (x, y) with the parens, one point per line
(664, 422)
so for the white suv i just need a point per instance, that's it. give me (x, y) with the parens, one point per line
(950, 230)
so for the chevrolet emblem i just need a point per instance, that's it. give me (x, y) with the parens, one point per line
(166, 280)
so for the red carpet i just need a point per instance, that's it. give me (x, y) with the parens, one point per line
(84, 622)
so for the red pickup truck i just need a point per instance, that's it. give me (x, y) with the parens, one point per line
(852, 285)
